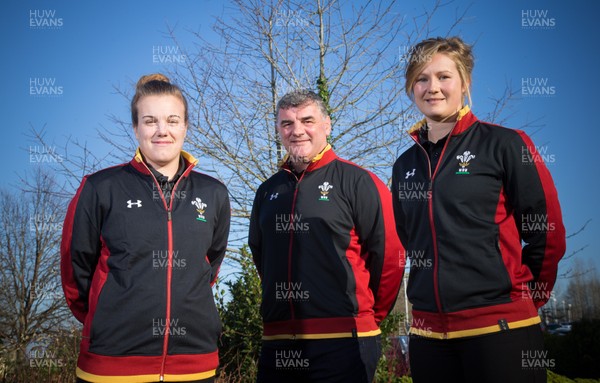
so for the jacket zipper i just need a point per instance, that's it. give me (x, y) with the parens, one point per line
(169, 267)
(290, 248)
(436, 287)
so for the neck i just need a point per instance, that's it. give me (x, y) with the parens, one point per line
(299, 163)
(438, 130)
(169, 170)
(299, 166)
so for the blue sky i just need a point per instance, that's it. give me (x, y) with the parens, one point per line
(546, 49)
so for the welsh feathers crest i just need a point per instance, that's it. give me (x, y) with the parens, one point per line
(200, 208)
(325, 187)
(463, 162)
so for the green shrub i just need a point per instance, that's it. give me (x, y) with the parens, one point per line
(391, 368)
(50, 359)
(242, 324)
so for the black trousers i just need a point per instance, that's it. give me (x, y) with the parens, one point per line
(515, 356)
(345, 360)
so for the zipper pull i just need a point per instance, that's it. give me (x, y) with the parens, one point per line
(168, 215)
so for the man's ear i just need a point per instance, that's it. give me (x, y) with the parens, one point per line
(327, 123)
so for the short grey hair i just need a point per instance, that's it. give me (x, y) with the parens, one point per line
(301, 97)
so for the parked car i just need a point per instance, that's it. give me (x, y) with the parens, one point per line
(558, 328)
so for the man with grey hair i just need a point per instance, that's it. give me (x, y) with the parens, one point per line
(323, 239)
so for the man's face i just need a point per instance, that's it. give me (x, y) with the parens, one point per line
(303, 132)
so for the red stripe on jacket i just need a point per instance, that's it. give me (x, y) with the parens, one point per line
(70, 289)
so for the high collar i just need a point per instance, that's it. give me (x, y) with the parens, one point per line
(323, 158)
(138, 162)
(464, 120)
(161, 178)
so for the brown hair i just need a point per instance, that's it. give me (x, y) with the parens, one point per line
(155, 84)
(453, 47)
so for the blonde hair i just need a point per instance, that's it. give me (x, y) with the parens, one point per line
(453, 47)
(155, 84)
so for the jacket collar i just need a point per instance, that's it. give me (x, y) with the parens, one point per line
(138, 162)
(323, 158)
(465, 119)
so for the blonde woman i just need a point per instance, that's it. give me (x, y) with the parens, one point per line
(465, 198)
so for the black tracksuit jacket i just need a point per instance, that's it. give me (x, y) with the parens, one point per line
(326, 249)
(483, 230)
(137, 272)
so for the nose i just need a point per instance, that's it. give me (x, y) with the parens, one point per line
(161, 128)
(434, 86)
(297, 129)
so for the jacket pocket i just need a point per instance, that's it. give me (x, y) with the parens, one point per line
(473, 274)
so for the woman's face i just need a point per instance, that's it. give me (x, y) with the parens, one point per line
(438, 90)
(161, 129)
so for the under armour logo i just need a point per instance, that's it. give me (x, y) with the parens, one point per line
(138, 203)
(274, 196)
(410, 174)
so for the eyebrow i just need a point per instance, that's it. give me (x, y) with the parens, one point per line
(170, 116)
(438, 72)
(302, 119)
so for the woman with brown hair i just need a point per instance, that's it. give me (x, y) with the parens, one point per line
(142, 245)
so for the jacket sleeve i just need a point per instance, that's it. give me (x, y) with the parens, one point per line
(531, 192)
(80, 248)
(399, 216)
(255, 235)
(216, 252)
(376, 230)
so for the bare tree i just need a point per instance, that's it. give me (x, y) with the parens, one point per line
(71, 161)
(348, 54)
(354, 56)
(32, 307)
(583, 293)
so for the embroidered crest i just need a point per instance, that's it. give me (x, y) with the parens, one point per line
(463, 162)
(200, 208)
(325, 188)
